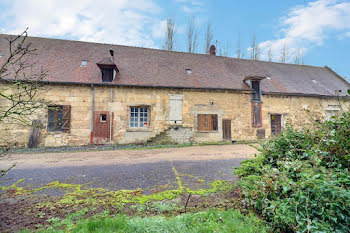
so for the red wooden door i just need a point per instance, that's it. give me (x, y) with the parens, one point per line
(102, 126)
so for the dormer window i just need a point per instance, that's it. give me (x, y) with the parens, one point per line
(107, 74)
(108, 70)
(255, 85)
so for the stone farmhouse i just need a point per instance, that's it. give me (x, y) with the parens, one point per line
(103, 93)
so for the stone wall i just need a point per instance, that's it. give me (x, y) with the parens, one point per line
(180, 134)
(234, 106)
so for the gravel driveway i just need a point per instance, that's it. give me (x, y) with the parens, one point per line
(196, 166)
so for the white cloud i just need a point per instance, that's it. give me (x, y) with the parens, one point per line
(310, 25)
(159, 29)
(109, 21)
(191, 6)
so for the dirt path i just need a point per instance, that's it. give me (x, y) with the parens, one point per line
(195, 153)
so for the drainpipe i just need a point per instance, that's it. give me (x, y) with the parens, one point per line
(110, 117)
(92, 113)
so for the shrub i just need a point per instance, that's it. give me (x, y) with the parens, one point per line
(300, 182)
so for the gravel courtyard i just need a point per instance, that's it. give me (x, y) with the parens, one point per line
(150, 169)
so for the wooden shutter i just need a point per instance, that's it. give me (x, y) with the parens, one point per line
(201, 122)
(66, 109)
(256, 116)
(214, 122)
(207, 122)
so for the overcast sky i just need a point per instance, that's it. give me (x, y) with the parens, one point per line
(320, 29)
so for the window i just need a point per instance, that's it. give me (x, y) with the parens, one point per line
(331, 113)
(207, 122)
(256, 90)
(107, 74)
(175, 113)
(59, 118)
(84, 63)
(139, 117)
(189, 71)
(103, 118)
(1, 55)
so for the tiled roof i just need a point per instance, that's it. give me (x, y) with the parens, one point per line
(158, 68)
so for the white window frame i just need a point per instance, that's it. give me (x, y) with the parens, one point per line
(139, 115)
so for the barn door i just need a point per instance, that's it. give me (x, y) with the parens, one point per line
(226, 129)
(102, 127)
(276, 124)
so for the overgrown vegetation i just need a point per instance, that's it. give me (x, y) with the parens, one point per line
(75, 202)
(300, 181)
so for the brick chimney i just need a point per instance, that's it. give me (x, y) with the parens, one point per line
(212, 50)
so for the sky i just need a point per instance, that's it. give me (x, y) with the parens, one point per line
(318, 29)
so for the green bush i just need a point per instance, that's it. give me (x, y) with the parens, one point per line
(300, 182)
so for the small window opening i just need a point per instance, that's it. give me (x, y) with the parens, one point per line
(268, 78)
(189, 71)
(314, 81)
(1, 55)
(84, 63)
(103, 118)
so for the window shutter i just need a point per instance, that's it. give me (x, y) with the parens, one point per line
(256, 116)
(175, 113)
(66, 118)
(201, 122)
(207, 122)
(214, 120)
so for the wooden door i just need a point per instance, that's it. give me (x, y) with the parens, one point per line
(226, 129)
(276, 124)
(102, 127)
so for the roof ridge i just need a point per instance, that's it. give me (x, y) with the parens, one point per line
(167, 51)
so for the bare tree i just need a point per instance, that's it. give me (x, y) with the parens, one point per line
(284, 54)
(21, 94)
(208, 38)
(254, 49)
(169, 35)
(192, 36)
(238, 47)
(20, 85)
(226, 48)
(269, 54)
(298, 57)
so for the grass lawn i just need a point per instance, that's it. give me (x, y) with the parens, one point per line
(208, 221)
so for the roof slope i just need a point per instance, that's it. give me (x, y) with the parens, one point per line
(158, 68)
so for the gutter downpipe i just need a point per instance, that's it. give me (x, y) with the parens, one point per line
(110, 117)
(92, 113)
